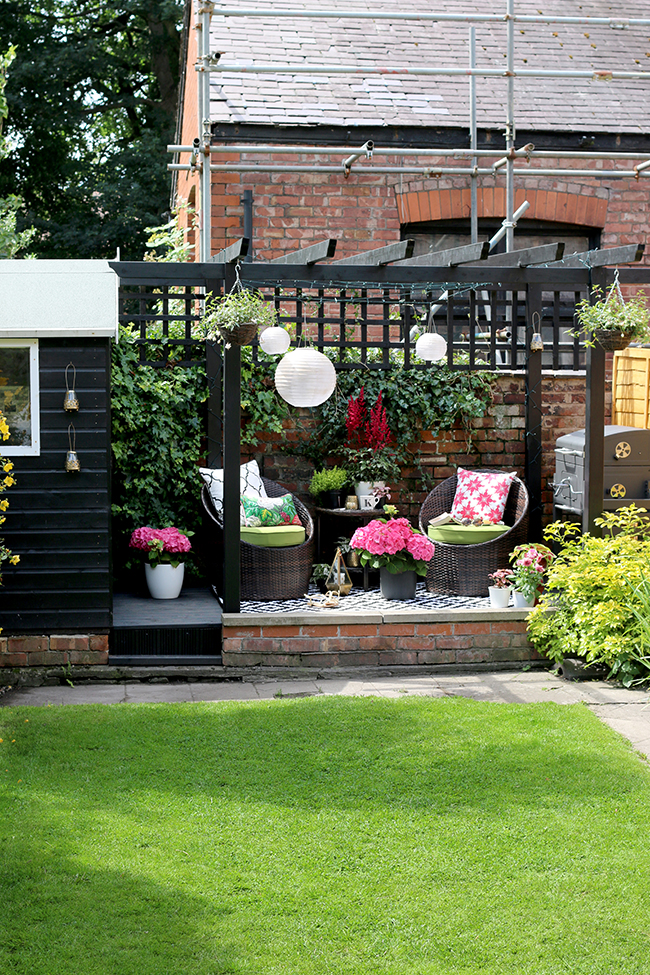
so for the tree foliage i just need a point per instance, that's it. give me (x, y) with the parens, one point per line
(92, 96)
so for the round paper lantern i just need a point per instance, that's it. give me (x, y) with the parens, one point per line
(305, 377)
(431, 347)
(275, 340)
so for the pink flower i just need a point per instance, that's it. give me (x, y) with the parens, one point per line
(173, 540)
(387, 538)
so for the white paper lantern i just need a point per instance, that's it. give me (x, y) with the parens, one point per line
(305, 377)
(431, 347)
(275, 340)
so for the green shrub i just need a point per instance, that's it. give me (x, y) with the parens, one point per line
(597, 600)
(157, 430)
(329, 479)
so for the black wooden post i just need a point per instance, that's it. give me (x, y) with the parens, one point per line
(594, 486)
(533, 394)
(231, 462)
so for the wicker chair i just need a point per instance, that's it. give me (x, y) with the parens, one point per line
(266, 573)
(462, 570)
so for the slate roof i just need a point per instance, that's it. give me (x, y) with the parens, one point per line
(562, 104)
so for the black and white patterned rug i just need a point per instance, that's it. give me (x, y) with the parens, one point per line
(372, 601)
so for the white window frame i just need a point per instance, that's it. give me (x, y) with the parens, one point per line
(34, 449)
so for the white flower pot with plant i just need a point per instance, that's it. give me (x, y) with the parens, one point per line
(166, 549)
(500, 589)
(529, 564)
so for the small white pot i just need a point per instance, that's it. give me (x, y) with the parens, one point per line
(520, 601)
(164, 581)
(499, 598)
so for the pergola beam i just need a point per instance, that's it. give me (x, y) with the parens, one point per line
(468, 254)
(232, 253)
(626, 254)
(401, 250)
(309, 255)
(527, 257)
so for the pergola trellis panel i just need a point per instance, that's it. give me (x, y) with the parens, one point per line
(511, 294)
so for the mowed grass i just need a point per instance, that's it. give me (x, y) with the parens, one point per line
(322, 835)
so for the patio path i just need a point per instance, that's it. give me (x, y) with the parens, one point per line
(626, 711)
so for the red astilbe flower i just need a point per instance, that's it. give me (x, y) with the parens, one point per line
(367, 432)
(376, 429)
(355, 419)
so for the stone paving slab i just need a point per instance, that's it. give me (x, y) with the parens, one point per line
(626, 711)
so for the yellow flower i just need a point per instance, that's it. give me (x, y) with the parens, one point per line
(14, 560)
(4, 504)
(8, 466)
(9, 481)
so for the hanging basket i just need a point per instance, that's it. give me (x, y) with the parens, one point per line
(611, 341)
(240, 335)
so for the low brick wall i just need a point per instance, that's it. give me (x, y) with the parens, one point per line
(425, 638)
(53, 650)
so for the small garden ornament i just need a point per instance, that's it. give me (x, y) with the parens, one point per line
(166, 549)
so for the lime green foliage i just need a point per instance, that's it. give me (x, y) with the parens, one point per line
(597, 596)
(329, 479)
(157, 428)
(262, 409)
(318, 836)
(630, 317)
(415, 399)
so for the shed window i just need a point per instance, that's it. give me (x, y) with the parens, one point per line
(19, 400)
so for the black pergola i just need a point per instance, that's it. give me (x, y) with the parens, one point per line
(533, 295)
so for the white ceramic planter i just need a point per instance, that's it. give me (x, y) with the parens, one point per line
(499, 598)
(164, 581)
(520, 601)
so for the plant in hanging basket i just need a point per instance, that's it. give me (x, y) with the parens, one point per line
(236, 317)
(612, 321)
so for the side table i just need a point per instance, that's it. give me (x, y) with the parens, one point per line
(331, 523)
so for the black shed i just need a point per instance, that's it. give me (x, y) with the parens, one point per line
(57, 319)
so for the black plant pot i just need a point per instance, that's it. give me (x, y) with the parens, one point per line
(333, 499)
(572, 668)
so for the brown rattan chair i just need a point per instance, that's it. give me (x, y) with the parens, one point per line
(462, 570)
(266, 573)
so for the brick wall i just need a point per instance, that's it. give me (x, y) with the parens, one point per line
(494, 440)
(52, 651)
(377, 644)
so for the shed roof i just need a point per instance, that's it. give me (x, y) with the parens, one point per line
(560, 104)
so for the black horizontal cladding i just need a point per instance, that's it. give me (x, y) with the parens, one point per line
(59, 522)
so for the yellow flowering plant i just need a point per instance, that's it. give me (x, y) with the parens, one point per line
(6, 481)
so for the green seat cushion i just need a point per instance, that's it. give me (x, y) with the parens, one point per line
(280, 536)
(466, 534)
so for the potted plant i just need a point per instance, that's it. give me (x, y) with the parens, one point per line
(529, 563)
(501, 588)
(236, 317)
(369, 453)
(328, 484)
(399, 552)
(165, 549)
(319, 574)
(611, 321)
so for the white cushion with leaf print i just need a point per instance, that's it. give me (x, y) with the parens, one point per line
(250, 482)
(482, 494)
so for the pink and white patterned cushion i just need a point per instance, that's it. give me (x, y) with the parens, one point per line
(482, 494)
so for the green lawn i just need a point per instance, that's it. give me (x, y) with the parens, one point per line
(321, 835)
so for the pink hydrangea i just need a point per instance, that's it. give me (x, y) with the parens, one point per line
(173, 540)
(394, 537)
